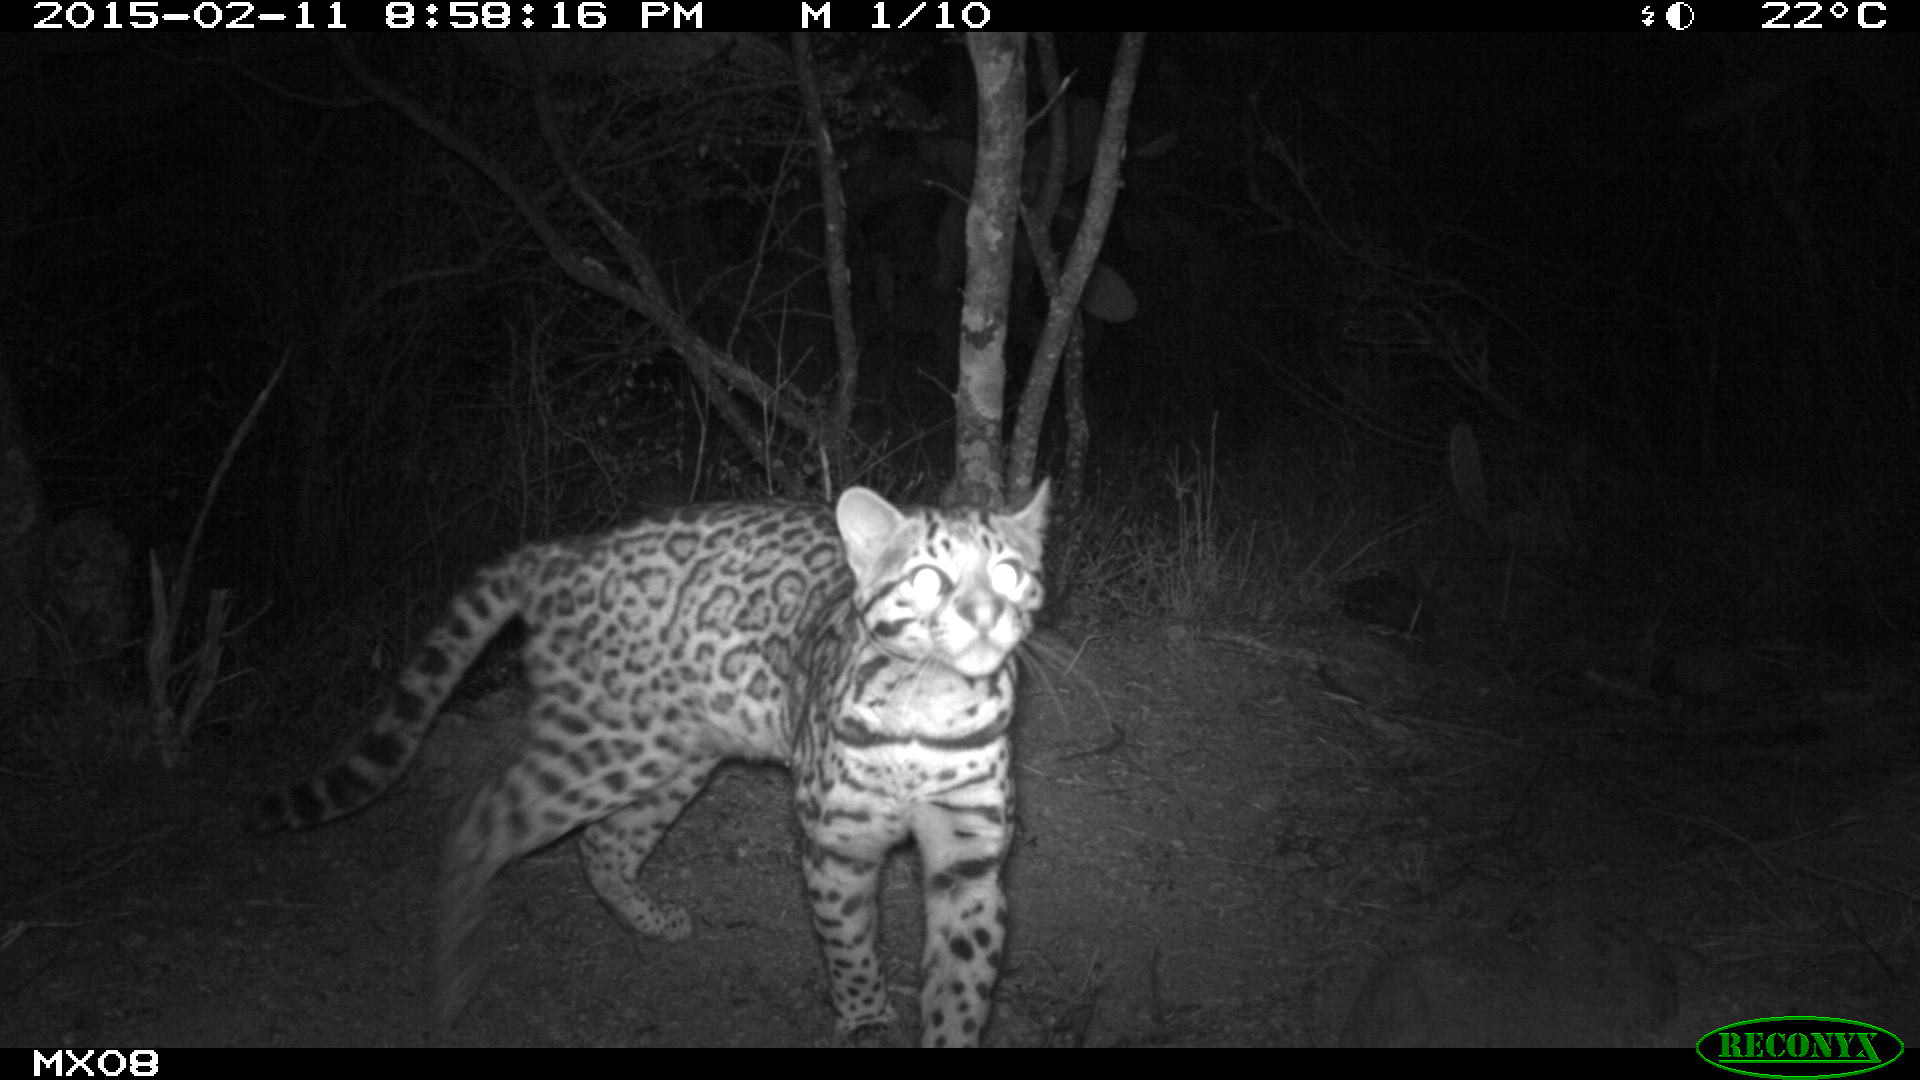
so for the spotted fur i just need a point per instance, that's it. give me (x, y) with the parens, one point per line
(868, 648)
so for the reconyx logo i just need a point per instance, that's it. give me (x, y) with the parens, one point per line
(1800, 1047)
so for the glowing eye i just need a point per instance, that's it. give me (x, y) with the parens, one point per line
(1006, 577)
(926, 585)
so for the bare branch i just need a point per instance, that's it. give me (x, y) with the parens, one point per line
(833, 205)
(1065, 305)
(645, 295)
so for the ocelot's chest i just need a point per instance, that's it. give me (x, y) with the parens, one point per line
(868, 798)
(910, 773)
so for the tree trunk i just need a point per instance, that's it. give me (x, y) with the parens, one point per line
(1000, 72)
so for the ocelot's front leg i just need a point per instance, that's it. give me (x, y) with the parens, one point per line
(843, 890)
(966, 923)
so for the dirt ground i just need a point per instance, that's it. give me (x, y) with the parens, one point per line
(1260, 837)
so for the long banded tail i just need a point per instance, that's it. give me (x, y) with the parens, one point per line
(381, 755)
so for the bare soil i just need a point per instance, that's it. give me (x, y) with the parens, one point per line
(1263, 837)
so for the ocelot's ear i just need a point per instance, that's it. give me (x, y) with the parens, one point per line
(868, 523)
(1030, 516)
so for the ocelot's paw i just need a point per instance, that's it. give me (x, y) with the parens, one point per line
(676, 923)
(667, 922)
(883, 1031)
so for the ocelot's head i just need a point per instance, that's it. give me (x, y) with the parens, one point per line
(958, 588)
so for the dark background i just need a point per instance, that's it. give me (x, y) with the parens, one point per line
(1585, 364)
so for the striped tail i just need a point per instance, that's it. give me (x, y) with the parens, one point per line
(383, 753)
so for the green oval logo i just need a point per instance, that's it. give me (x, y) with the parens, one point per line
(1801, 1047)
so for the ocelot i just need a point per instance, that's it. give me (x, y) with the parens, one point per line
(867, 647)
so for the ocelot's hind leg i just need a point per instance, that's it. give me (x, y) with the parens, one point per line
(502, 822)
(538, 799)
(614, 847)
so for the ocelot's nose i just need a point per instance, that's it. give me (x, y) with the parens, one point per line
(979, 607)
